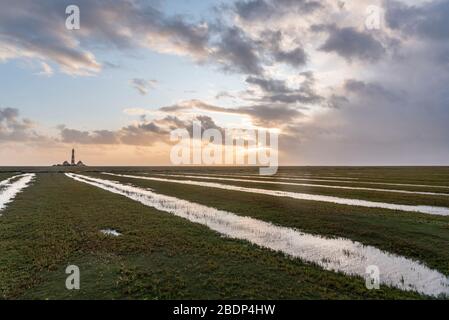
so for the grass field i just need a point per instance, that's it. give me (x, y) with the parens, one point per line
(56, 222)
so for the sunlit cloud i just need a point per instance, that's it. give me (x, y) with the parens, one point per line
(326, 82)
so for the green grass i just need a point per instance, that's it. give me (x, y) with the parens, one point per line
(318, 180)
(378, 196)
(56, 222)
(416, 175)
(419, 236)
(4, 176)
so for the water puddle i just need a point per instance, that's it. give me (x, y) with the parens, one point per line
(442, 211)
(111, 232)
(339, 254)
(12, 186)
(295, 178)
(305, 184)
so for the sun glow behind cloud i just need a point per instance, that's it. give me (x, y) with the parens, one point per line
(333, 89)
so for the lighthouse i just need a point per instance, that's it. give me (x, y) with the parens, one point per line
(72, 162)
(73, 158)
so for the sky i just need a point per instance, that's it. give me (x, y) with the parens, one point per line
(343, 82)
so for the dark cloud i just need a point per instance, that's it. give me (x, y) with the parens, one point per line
(145, 133)
(336, 101)
(429, 20)
(268, 115)
(236, 52)
(371, 90)
(296, 57)
(252, 10)
(374, 124)
(276, 105)
(271, 42)
(396, 110)
(86, 137)
(194, 104)
(277, 91)
(8, 114)
(269, 85)
(265, 9)
(224, 94)
(16, 129)
(351, 44)
(271, 116)
(141, 134)
(28, 29)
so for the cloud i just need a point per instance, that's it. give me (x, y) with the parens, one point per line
(16, 129)
(46, 70)
(277, 91)
(143, 133)
(261, 115)
(143, 86)
(352, 44)
(9, 114)
(370, 90)
(38, 32)
(389, 102)
(268, 85)
(224, 94)
(265, 9)
(270, 116)
(295, 57)
(86, 137)
(236, 52)
(251, 10)
(371, 124)
(272, 42)
(429, 20)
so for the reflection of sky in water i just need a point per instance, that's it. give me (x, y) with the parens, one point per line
(298, 178)
(110, 232)
(443, 211)
(7, 182)
(338, 254)
(305, 184)
(9, 189)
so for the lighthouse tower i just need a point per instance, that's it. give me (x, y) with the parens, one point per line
(73, 158)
